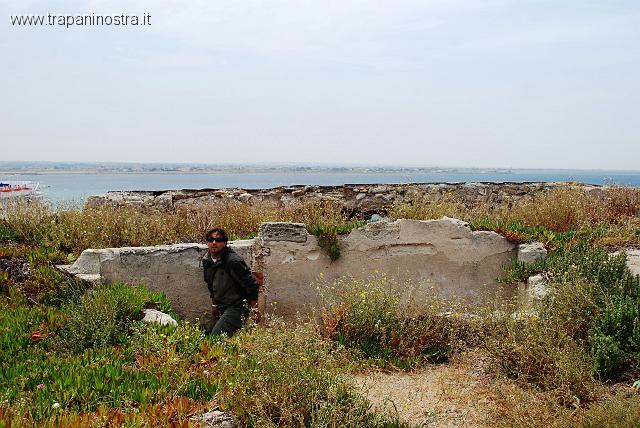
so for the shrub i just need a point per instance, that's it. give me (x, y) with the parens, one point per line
(590, 319)
(572, 208)
(620, 411)
(289, 377)
(102, 318)
(237, 219)
(7, 233)
(595, 265)
(532, 352)
(517, 271)
(616, 336)
(379, 318)
(67, 291)
(120, 227)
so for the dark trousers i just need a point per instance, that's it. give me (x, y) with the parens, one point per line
(231, 320)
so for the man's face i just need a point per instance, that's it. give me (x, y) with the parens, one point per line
(216, 244)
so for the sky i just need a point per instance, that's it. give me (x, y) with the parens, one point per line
(469, 83)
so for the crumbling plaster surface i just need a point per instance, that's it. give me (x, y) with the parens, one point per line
(633, 261)
(175, 270)
(442, 255)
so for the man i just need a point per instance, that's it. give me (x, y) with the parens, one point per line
(233, 289)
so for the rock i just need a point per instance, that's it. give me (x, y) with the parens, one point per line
(532, 292)
(351, 196)
(215, 419)
(280, 231)
(164, 202)
(633, 261)
(152, 315)
(529, 253)
(379, 189)
(87, 263)
(245, 197)
(377, 217)
(537, 287)
(17, 268)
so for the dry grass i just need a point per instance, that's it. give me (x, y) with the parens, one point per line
(423, 207)
(467, 393)
(570, 208)
(74, 230)
(609, 216)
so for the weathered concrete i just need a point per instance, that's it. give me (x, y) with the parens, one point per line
(531, 293)
(438, 255)
(531, 252)
(444, 254)
(280, 231)
(633, 261)
(175, 270)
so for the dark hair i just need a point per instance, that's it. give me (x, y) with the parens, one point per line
(222, 233)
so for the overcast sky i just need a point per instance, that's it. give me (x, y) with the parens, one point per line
(496, 83)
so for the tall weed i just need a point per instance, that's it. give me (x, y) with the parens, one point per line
(290, 377)
(379, 318)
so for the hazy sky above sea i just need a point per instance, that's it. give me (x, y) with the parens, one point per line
(496, 83)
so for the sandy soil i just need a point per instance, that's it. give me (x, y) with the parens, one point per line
(443, 395)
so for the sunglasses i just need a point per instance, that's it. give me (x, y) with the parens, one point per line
(210, 239)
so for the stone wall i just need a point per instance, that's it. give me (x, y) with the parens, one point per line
(175, 270)
(440, 255)
(355, 198)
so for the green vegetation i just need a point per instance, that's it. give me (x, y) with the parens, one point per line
(381, 320)
(74, 356)
(92, 359)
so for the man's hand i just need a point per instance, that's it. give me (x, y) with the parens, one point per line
(215, 312)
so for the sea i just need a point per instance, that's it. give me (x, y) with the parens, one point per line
(73, 188)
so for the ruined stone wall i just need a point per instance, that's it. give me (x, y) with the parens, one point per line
(355, 198)
(443, 255)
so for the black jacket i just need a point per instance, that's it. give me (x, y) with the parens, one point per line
(229, 279)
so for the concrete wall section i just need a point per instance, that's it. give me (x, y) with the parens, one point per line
(175, 270)
(443, 255)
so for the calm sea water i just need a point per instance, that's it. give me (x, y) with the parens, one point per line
(76, 187)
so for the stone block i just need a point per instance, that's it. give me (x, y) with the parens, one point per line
(87, 263)
(280, 231)
(245, 197)
(537, 287)
(633, 261)
(152, 315)
(214, 419)
(529, 253)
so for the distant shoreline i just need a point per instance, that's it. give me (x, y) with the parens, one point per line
(55, 168)
(283, 170)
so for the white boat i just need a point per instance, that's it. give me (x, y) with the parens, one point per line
(19, 189)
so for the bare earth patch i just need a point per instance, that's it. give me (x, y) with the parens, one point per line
(455, 394)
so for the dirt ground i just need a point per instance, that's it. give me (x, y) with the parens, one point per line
(454, 394)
